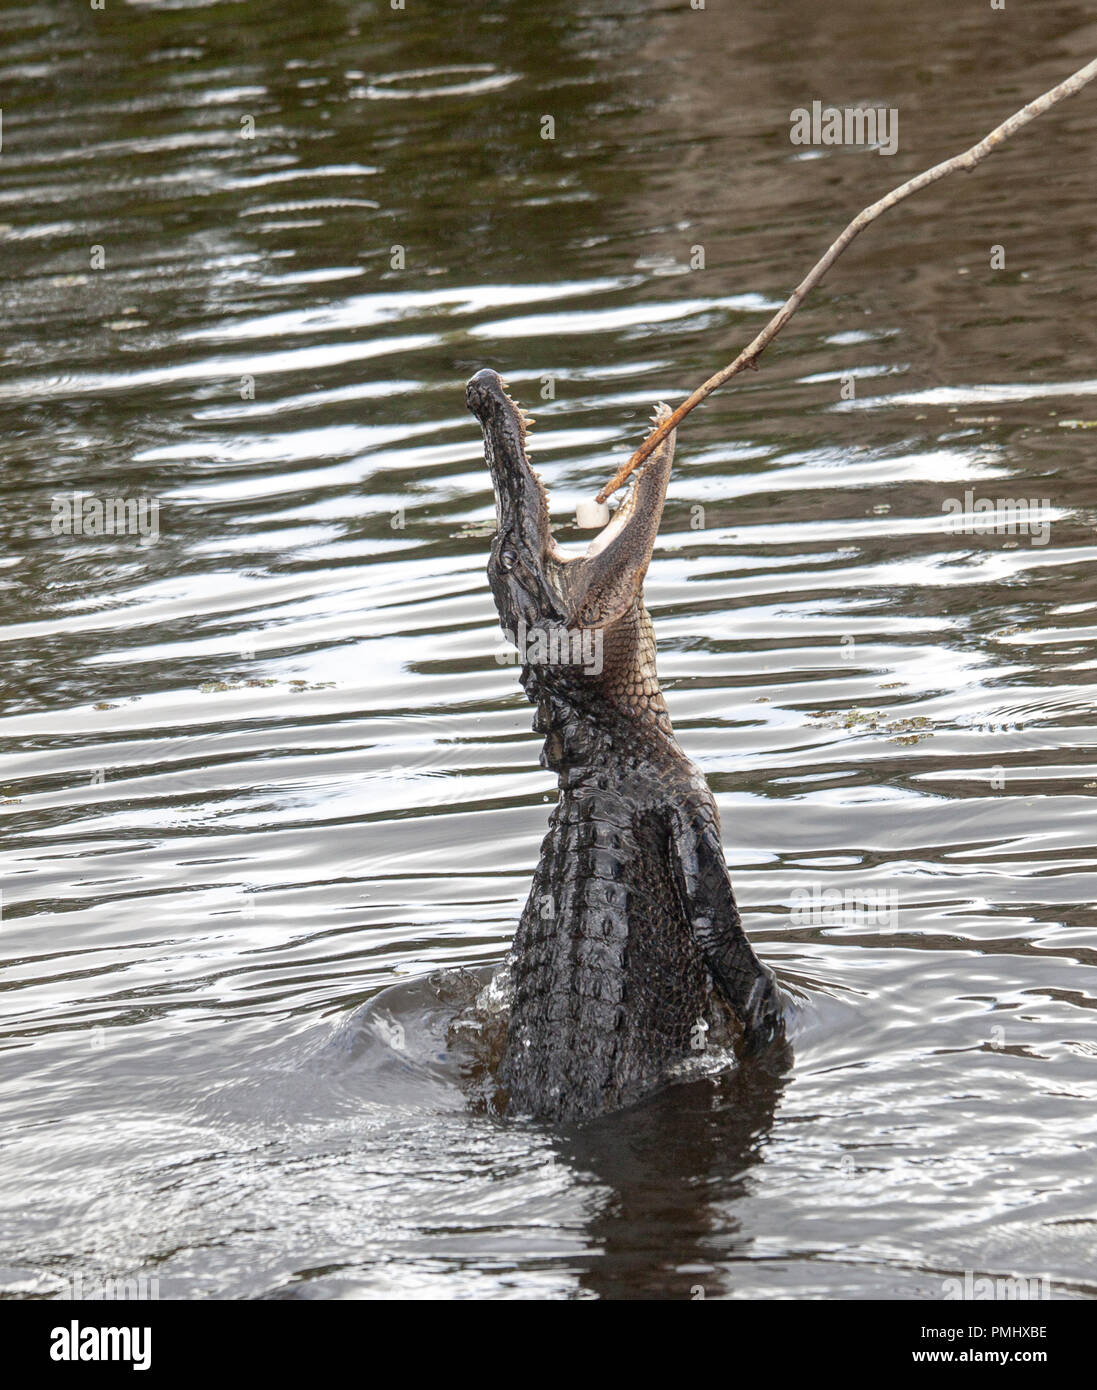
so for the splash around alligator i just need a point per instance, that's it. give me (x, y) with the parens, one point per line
(630, 948)
(437, 1041)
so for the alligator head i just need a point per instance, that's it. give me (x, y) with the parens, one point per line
(630, 951)
(579, 622)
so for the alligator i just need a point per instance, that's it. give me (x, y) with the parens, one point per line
(630, 954)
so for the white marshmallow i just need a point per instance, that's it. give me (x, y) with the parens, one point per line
(591, 514)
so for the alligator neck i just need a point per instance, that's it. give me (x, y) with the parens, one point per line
(585, 732)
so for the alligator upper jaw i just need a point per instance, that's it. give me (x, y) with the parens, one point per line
(519, 497)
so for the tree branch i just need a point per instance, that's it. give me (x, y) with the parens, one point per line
(750, 354)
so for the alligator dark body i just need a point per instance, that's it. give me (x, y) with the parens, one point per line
(630, 952)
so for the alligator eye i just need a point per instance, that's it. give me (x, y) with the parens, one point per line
(508, 559)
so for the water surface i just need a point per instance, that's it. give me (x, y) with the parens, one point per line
(267, 765)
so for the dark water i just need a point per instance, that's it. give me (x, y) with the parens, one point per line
(266, 765)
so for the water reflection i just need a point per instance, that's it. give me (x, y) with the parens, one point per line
(662, 1221)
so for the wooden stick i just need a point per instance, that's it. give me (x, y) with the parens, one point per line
(750, 354)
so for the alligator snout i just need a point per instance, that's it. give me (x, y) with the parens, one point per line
(484, 391)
